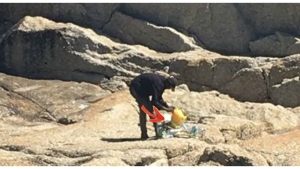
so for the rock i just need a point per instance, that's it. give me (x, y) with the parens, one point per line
(227, 113)
(227, 75)
(270, 147)
(188, 159)
(35, 100)
(286, 93)
(113, 85)
(279, 44)
(183, 87)
(267, 18)
(225, 69)
(223, 28)
(232, 156)
(219, 27)
(212, 135)
(15, 159)
(4, 27)
(106, 161)
(92, 58)
(248, 84)
(161, 162)
(134, 31)
(93, 15)
(284, 68)
(99, 139)
(282, 81)
(143, 157)
(46, 42)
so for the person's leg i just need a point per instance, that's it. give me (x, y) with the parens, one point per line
(143, 117)
(149, 107)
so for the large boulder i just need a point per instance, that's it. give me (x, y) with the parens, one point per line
(279, 44)
(40, 48)
(267, 18)
(286, 93)
(53, 100)
(219, 27)
(237, 76)
(248, 84)
(134, 31)
(284, 68)
(90, 14)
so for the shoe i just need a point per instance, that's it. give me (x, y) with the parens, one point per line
(144, 136)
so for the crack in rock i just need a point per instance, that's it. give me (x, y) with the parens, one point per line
(224, 158)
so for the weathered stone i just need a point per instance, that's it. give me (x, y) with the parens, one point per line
(268, 18)
(134, 31)
(46, 42)
(232, 156)
(284, 68)
(218, 27)
(230, 114)
(106, 161)
(93, 15)
(248, 84)
(100, 139)
(280, 44)
(188, 159)
(49, 99)
(286, 93)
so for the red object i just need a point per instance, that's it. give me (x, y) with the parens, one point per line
(157, 118)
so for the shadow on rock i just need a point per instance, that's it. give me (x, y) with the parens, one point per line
(120, 139)
(126, 139)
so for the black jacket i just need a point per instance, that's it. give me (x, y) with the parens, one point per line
(150, 84)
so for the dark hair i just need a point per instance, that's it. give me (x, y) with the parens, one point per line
(172, 81)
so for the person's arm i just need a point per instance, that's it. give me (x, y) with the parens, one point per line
(162, 102)
(156, 101)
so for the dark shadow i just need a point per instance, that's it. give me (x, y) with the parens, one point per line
(124, 139)
(120, 139)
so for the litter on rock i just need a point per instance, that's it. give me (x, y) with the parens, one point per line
(174, 126)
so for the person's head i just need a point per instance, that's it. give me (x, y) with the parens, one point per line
(171, 83)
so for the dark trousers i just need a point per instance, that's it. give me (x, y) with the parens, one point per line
(142, 115)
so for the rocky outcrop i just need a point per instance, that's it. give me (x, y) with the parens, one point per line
(49, 100)
(40, 48)
(133, 31)
(219, 27)
(231, 29)
(86, 15)
(279, 44)
(268, 18)
(254, 116)
(99, 139)
(286, 93)
(71, 106)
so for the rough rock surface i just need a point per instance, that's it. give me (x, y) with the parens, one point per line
(65, 101)
(222, 28)
(40, 48)
(268, 18)
(133, 31)
(49, 100)
(99, 139)
(280, 44)
(218, 27)
(81, 14)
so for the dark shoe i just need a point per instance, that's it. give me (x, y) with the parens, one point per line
(144, 136)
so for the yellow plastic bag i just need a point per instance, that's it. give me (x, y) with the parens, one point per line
(178, 118)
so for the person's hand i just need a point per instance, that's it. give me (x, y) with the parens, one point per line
(170, 109)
